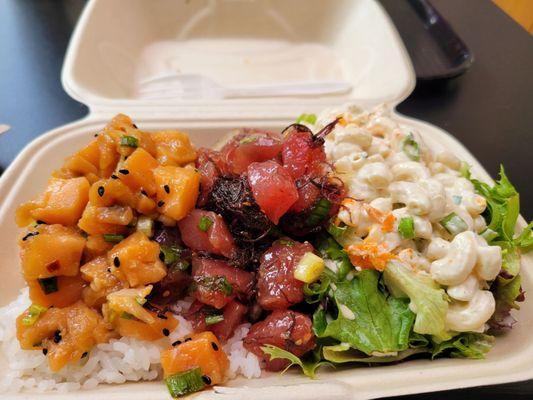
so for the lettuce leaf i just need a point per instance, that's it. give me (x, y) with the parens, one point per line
(524, 241)
(506, 294)
(309, 364)
(343, 353)
(428, 300)
(503, 205)
(368, 320)
(465, 345)
(503, 209)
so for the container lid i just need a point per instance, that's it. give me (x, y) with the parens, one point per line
(119, 46)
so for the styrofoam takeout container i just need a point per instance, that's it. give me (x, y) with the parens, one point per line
(117, 43)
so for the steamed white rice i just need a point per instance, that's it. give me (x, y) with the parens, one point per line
(118, 361)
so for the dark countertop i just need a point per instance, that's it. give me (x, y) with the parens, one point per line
(489, 109)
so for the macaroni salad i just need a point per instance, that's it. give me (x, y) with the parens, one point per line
(418, 217)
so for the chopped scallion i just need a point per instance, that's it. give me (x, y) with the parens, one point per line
(113, 238)
(34, 312)
(315, 291)
(129, 141)
(286, 242)
(454, 224)
(126, 315)
(49, 285)
(140, 300)
(205, 223)
(336, 230)
(145, 225)
(319, 212)
(214, 319)
(171, 254)
(411, 148)
(309, 118)
(184, 383)
(406, 228)
(248, 139)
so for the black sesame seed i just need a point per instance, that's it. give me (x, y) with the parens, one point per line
(160, 203)
(45, 351)
(109, 270)
(125, 158)
(161, 316)
(116, 262)
(135, 126)
(114, 176)
(29, 235)
(176, 343)
(84, 355)
(206, 379)
(187, 339)
(167, 188)
(96, 135)
(166, 332)
(124, 171)
(101, 191)
(162, 256)
(57, 336)
(214, 346)
(144, 193)
(39, 222)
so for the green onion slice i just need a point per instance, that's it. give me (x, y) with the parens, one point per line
(248, 139)
(49, 285)
(171, 254)
(113, 238)
(214, 319)
(309, 118)
(319, 212)
(286, 242)
(129, 141)
(406, 228)
(454, 224)
(126, 315)
(411, 148)
(34, 312)
(184, 383)
(145, 225)
(337, 230)
(205, 223)
(315, 292)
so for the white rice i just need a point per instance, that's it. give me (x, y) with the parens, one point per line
(118, 361)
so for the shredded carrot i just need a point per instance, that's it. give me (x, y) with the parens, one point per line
(388, 223)
(369, 256)
(342, 121)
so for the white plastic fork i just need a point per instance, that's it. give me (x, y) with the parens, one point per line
(195, 86)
